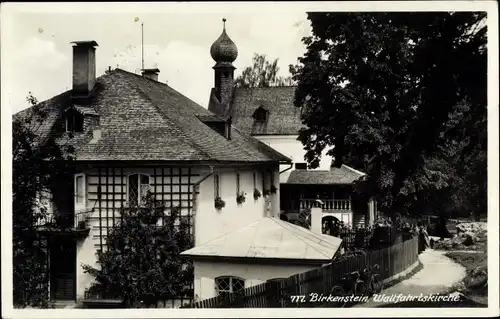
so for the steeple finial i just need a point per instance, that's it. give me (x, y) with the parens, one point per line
(223, 49)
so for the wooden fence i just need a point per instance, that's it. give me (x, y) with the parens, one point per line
(277, 293)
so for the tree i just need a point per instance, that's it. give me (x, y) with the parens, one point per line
(141, 263)
(382, 89)
(36, 164)
(262, 74)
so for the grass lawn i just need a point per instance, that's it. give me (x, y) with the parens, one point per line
(472, 261)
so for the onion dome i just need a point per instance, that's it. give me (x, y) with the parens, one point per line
(224, 49)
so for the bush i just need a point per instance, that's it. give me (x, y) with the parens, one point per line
(475, 284)
(142, 262)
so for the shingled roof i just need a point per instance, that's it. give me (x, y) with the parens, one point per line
(283, 117)
(343, 175)
(142, 119)
(270, 238)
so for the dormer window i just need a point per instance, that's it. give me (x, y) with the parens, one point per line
(261, 114)
(217, 124)
(219, 127)
(77, 118)
(74, 121)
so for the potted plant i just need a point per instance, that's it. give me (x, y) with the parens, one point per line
(256, 194)
(219, 203)
(240, 198)
(267, 192)
(273, 189)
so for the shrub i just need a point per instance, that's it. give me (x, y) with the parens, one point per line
(142, 262)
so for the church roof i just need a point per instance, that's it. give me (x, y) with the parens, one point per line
(283, 117)
(142, 119)
(339, 176)
(270, 238)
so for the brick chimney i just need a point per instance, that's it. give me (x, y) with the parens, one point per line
(84, 68)
(316, 217)
(151, 74)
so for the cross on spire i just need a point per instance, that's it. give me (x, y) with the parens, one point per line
(224, 23)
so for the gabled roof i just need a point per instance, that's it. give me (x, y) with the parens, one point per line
(342, 175)
(283, 116)
(142, 119)
(270, 238)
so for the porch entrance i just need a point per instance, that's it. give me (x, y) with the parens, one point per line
(63, 269)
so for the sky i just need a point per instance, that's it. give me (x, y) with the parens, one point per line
(177, 41)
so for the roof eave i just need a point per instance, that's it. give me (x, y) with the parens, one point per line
(257, 260)
(172, 162)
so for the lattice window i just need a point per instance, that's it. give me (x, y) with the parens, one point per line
(138, 186)
(228, 284)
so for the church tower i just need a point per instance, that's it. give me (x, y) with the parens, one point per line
(224, 52)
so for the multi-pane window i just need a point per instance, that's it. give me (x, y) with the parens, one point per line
(79, 189)
(216, 185)
(229, 284)
(254, 180)
(138, 186)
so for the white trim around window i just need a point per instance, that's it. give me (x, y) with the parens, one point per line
(80, 191)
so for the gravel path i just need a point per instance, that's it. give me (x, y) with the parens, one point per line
(438, 274)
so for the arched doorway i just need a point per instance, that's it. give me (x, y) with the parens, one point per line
(331, 225)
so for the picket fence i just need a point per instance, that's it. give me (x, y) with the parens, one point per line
(276, 293)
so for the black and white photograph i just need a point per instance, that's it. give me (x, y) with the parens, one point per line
(193, 159)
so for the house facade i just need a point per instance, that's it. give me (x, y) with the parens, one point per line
(269, 115)
(131, 135)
